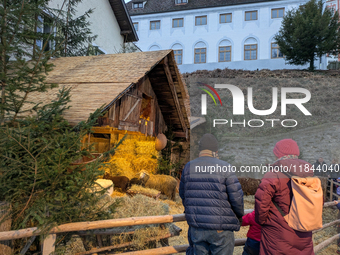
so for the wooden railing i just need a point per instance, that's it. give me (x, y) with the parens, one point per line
(331, 193)
(49, 242)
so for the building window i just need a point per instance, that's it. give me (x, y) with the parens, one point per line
(200, 20)
(276, 53)
(94, 51)
(135, 25)
(181, 1)
(225, 18)
(47, 31)
(252, 15)
(178, 56)
(138, 5)
(200, 55)
(154, 48)
(224, 54)
(278, 13)
(177, 22)
(155, 25)
(250, 52)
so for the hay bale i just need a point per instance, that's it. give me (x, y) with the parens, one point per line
(117, 194)
(140, 205)
(137, 206)
(136, 189)
(132, 156)
(249, 185)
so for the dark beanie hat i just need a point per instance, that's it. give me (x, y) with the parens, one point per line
(208, 142)
(286, 147)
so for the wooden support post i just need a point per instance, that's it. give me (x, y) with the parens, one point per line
(28, 245)
(48, 245)
(331, 191)
(174, 94)
(100, 241)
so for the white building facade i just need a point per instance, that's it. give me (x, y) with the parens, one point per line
(110, 21)
(237, 36)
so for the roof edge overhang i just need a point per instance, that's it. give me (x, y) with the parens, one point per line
(129, 32)
(121, 94)
(203, 7)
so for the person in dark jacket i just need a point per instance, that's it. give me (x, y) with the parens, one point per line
(277, 238)
(213, 200)
(320, 167)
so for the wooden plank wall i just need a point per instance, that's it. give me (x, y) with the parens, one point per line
(125, 112)
(157, 124)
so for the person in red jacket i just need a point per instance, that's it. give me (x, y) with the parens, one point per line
(277, 238)
(252, 245)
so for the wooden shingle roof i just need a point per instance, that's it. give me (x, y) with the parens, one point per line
(101, 80)
(110, 68)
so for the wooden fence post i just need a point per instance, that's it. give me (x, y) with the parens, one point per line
(5, 246)
(48, 245)
(331, 191)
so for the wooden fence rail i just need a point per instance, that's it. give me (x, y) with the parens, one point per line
(49, 242)
(325, 243)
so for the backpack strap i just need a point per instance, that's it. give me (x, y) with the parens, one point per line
(276, 205)
(278, 208)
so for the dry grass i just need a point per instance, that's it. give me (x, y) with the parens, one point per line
(136, 206)
(140, 189)
(117, 194)
(140, 205)
(133, 156)
(329, 214)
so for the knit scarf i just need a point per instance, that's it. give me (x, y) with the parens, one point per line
(208, 153)
(287, 157)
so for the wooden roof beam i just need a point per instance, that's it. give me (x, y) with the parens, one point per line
(174, 93)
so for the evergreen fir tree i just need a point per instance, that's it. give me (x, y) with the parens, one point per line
(309, 32)
(32, 33)
(36, 178)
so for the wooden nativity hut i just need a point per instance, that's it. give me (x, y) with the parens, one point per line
(143, 94)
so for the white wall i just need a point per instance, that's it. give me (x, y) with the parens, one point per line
(237, 32)
(103, 23)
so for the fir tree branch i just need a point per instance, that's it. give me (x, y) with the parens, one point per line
(35, 68)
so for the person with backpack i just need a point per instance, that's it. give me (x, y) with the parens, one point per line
(276, 199)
